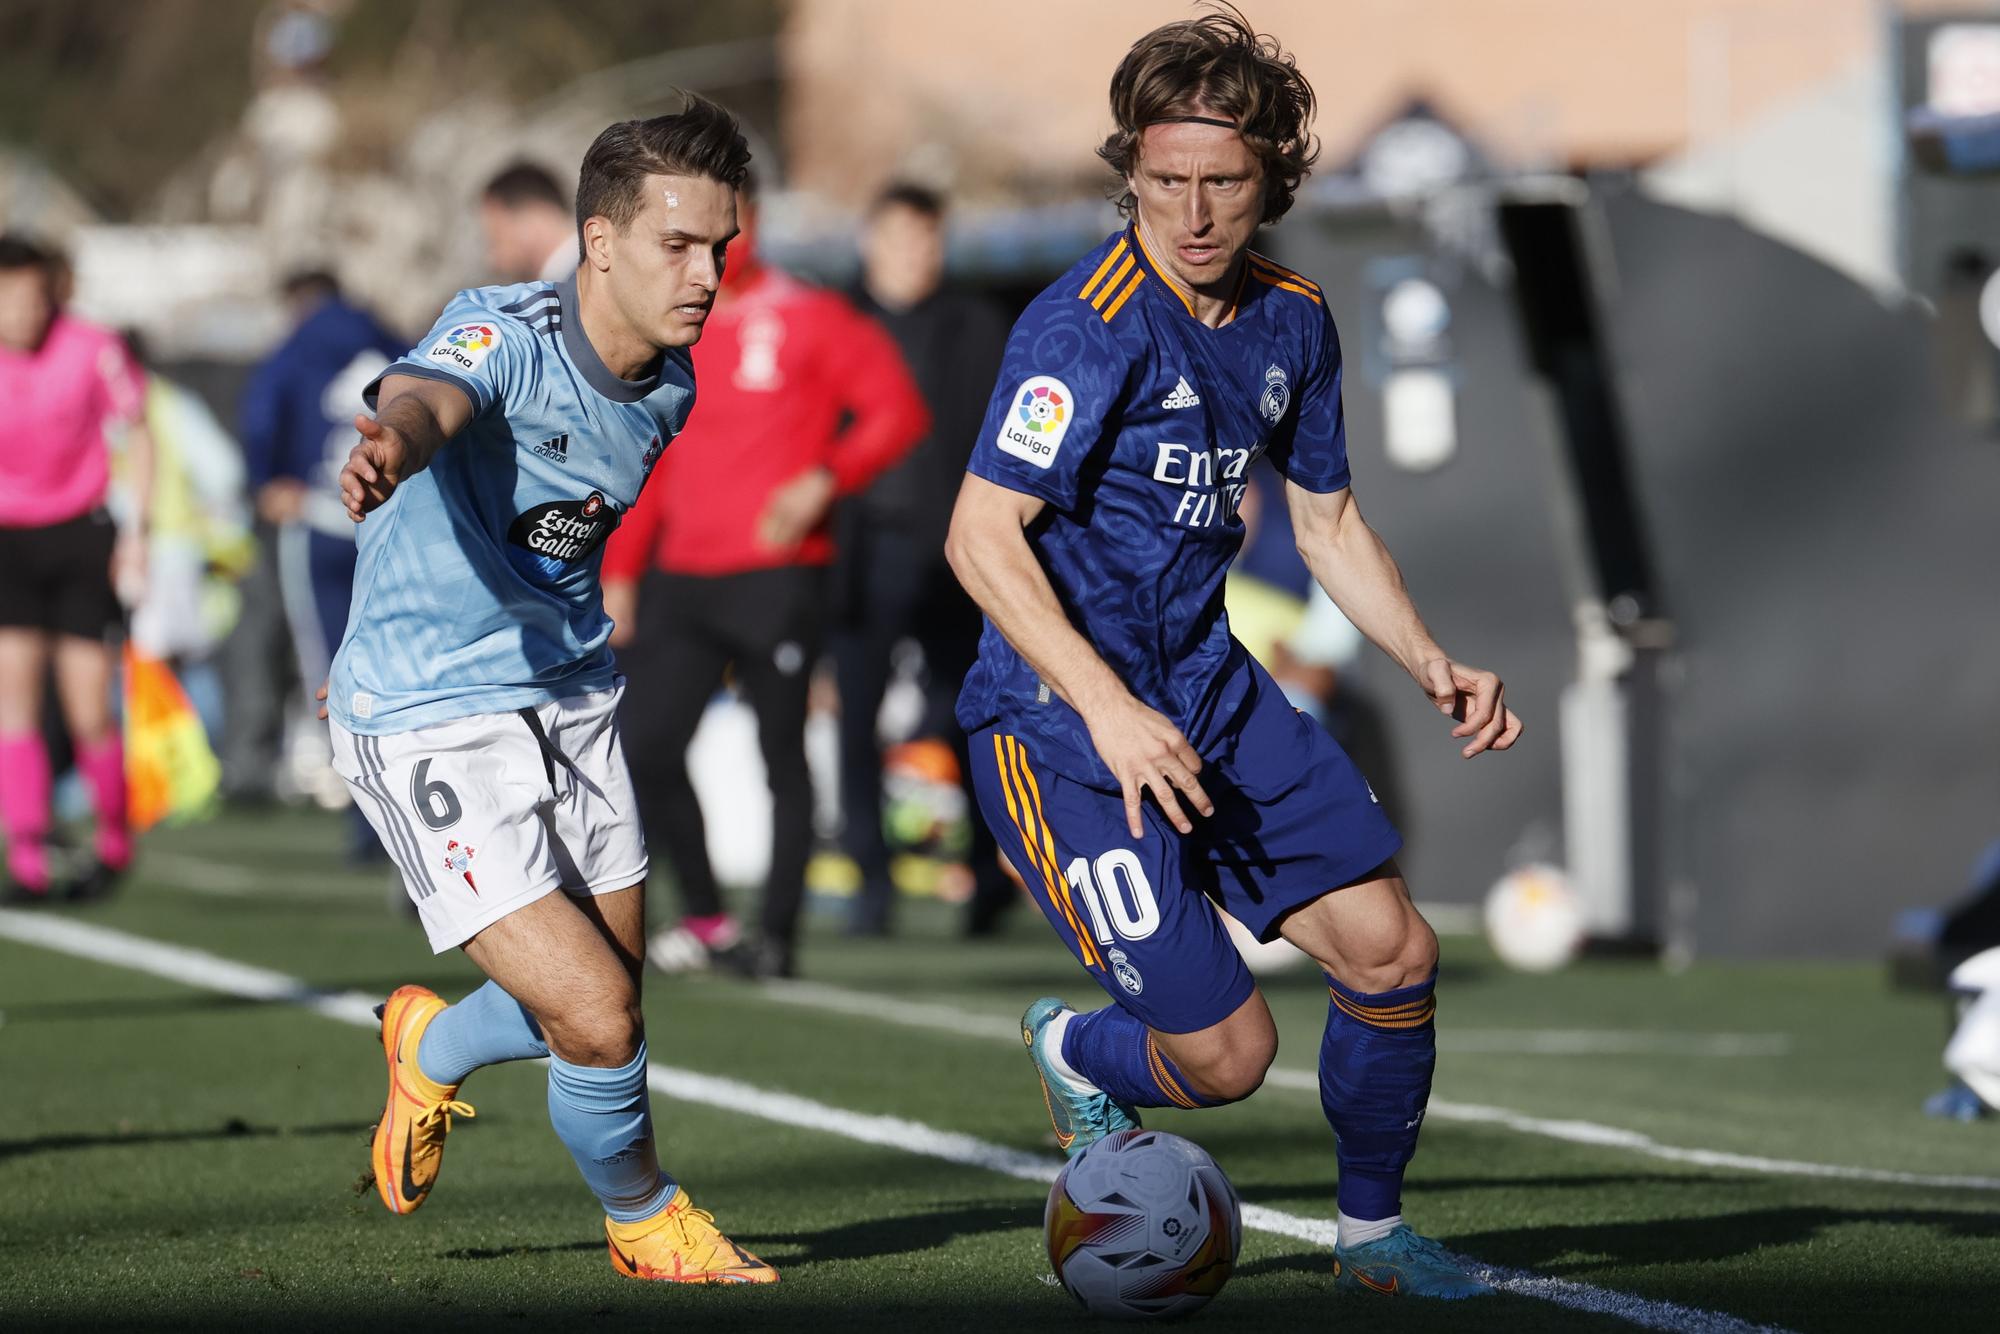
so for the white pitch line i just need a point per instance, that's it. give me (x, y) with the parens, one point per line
(1609, 1042)
(199, 875)
(202, 875)
(965, 1023)
(1613, 1137)
(913, 1137)
(209, 972)
(888, 1009)
(1468, 1041)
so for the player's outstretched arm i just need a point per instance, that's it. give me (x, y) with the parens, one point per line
(989, 552)
(415, 417)
(1358, 573)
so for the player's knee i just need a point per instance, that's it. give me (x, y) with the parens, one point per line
(1236, 1073)
(603, 1032)
(1387, 960)
(1420, 952)
(1233, 1070)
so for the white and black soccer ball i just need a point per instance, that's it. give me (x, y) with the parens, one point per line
(1143, 1224)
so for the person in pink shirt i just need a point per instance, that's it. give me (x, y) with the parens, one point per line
(67, 387)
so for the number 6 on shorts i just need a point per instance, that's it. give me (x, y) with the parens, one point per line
(437, 805)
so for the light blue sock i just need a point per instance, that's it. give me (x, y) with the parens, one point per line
(605, 1120)
(485, 1028)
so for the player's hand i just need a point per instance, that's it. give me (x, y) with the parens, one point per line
(621, 604)
(1476, 699)
(796, 508)
(375, 467)
(320, 695)
(1147, 753)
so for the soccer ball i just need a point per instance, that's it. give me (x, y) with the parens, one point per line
(1534, 919)
(1143, 1224)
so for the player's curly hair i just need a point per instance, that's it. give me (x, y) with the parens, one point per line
(1216, 65)
(701, 139)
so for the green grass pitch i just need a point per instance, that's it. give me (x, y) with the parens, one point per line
(171, 1157)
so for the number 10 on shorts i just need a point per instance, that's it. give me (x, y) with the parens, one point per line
(1116, 894)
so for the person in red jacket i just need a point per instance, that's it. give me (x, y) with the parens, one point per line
(803, 400)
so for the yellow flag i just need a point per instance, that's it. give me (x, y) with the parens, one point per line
(171, 773)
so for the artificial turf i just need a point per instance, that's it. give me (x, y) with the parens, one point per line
(171, 1157)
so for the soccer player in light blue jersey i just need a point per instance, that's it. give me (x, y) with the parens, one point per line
(474, 702)
(1095, 528)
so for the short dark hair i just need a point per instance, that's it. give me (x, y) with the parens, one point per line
(1216, 63)
(521, 183)
(909, 195)
(701, 139)
(18, 252)
(310, 283)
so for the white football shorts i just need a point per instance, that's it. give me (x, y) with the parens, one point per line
(484, 815)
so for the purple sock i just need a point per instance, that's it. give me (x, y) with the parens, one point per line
(1115, 1050)
(1375, 1067)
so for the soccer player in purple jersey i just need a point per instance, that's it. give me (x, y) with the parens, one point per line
(1094, 528)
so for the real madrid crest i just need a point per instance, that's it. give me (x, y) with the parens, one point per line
(1277, 395)
(1121, 968)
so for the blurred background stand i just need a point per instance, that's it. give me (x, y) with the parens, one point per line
(1611, 723)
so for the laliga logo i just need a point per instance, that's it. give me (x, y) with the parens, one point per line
(1041, 415)
(1041, 409)
(466, 346)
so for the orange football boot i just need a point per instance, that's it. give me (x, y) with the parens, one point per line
(681, 1244)
(409, 1140)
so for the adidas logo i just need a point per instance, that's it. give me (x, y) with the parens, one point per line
(1183, 396)
(556, 449)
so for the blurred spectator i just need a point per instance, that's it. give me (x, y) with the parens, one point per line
(200, 539)
(1308, 662)
(894, 583)
(530, 230)
(1268, 585)
(72, 392)
(297, 425)
(259, 680)
(278, 171)
(1288, 623)
(801, 400)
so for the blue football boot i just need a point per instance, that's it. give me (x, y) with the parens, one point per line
(1404, 1264)
(1080, 1119)
(1955, 1103)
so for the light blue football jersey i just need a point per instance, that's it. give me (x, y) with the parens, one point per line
(477, 589)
